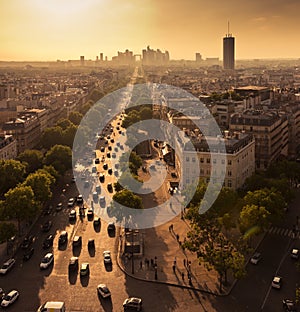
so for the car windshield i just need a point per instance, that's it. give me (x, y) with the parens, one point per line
(105, 290)
(5, 266)
(45, 260)
(7, 298)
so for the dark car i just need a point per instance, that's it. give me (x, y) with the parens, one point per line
(48, 242)
(28, 254)
(102, 177)
(63, 237)
(59, 207)
(110, 187)
(109, 148)
(90, 214)
(173, 175)
(111, 227)
(109, 171)
(108, 155)
(79, 199)
(97, 221)
(73, 264)
(77, 241)
(133, 304)
(28, 240)
(289, 305)
(91, 243)
(97, 161)
(102, 149)
(47, 226)
(105, 166)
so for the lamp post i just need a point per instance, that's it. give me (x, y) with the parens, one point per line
(132, 261)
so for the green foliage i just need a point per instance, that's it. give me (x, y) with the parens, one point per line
(135, 162)
(20, 204)
(75, 117)
(40, 182)
(51, 136)
(68, 135)
(7, 230)
(53, 174)
(60, 157)
(12, 172)
(128, 199)
(63, 123)
(33, 159)
(254, 217)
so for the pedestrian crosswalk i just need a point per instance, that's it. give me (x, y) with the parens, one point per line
(283, 232)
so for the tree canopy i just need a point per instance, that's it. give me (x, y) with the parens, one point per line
(33, 158)
(60, 157)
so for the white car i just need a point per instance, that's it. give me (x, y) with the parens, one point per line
(103, 291)
(46, 261)
(295, 253)
(10, 298)
(106, 257)
(255, 258)
(133, 303)
(7, 266)
(277, 281)
(71, 202)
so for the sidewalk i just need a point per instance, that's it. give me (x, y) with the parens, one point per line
(162, 247)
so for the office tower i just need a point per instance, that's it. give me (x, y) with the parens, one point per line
(198, 57)
(101, 57)
(82, 60)
(228, 51)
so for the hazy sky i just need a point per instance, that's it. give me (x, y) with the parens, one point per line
(65, 29)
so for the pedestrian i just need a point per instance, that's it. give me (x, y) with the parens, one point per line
(182, 276)
(177, 237)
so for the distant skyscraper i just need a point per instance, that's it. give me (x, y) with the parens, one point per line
(82, 60)
(198, 57)
(228, 51)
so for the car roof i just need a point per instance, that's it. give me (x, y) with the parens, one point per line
(12, 292)
(277, 279)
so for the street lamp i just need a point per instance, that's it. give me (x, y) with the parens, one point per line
(132, 261)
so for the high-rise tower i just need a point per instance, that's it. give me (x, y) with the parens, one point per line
(228, 51)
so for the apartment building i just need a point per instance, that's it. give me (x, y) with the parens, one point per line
(8, 147)
(270, 129)
(237, 159)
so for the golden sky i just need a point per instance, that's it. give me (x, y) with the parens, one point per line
(65, 29)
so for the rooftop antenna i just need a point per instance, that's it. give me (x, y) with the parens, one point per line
(228, 29)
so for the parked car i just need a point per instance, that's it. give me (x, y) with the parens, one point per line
(289, 305)
(102, 200)
(47, 261)
(84, 269)
(72, 215)
(71, 202)
(28, 254)
(48, 242)
(133, 303)
(73, 264)
(103, 291)
(47, 226)
(106, 257)
(98, 189)
(10, 298)
(277, 282)
(102, 149)
(7, 266)
(63, 237)
(255, 258)
(95, 196)
(109, 171)
(28, 240)
(77, 241)
(105, 166)
(97, 161)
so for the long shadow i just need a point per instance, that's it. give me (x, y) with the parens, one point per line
(84, 280)
(76, 251)
(92, 251)
(108, 267)
(97, 228)
(73, 277)
(106, 303)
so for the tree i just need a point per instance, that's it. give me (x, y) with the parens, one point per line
(40, 182)
(7, 230)
(75, 117)
(146, 113)
(51, 136)
(33, 158)
(68, 135)
(60, 157)
(12, 172)
(253, 217)
(271, 199)
(135, 162)
(53, 174)
(128, 199)
(63, 123)
(20, 204)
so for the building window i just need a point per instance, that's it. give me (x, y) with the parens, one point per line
(187, 158)
(229, 162)
(201, 171)
(193, 159)
(202, 160)
(229, 173)
(187, 181)
(223, 161)
(229, 183)
(214, 161)
(208, 160)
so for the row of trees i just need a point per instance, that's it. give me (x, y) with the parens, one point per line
(239, 215)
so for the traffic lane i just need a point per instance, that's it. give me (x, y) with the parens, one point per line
(290, 276)
(250, 292)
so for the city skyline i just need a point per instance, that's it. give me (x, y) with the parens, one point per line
(50, 30)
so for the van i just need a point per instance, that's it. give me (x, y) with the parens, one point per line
(52, 306)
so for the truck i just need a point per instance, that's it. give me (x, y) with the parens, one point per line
(52, 306)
